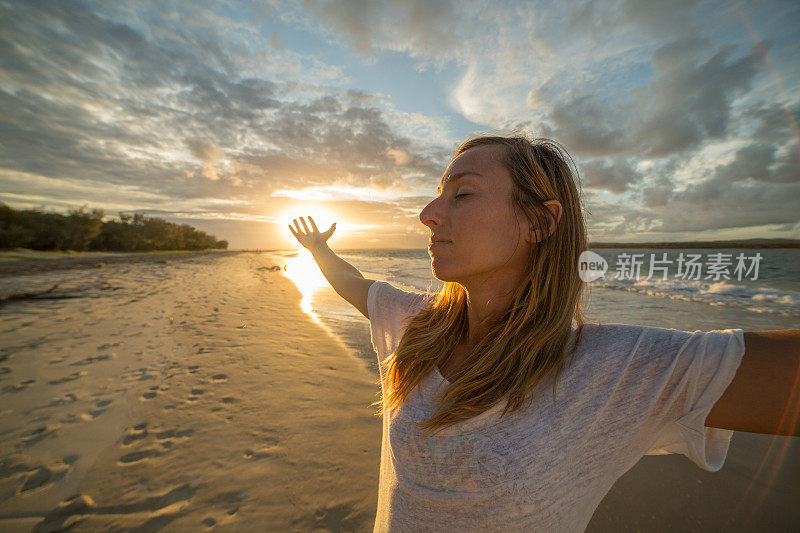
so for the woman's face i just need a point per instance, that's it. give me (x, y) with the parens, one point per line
(473, 212)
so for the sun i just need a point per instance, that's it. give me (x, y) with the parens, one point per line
(302, 269)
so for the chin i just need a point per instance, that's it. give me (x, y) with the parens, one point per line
(441, 272)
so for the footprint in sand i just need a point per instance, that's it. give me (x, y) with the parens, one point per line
(218, 378)
(108, 345)
(67, 398)
(196, 393)
(93, 359)
(66, 379)
(136, 457)
(66, 515)
(137, 432)
(39, 434)
(165, 438)
(43, 476)
(150, 394)
(22, 385)
(139, 374)
(101, 406)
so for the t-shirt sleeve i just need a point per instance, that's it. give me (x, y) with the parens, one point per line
(677, 377)
(389, 310)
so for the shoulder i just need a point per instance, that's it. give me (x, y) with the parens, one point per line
(616, 343)
(598, 336)
(652, 342)
(384, 295)
(615, 333)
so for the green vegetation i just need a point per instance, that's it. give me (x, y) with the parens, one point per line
(83, 230)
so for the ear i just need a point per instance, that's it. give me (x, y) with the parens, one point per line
(554, 216)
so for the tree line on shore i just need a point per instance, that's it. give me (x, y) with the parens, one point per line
(83, 230)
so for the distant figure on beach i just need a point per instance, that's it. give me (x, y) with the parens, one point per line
(504, 408)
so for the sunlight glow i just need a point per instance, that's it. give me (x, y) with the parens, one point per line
(323, 218)
(340, 193)
(304, 272)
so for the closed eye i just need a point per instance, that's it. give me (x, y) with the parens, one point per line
(461, 195)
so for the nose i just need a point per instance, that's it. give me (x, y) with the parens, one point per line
(429, 216)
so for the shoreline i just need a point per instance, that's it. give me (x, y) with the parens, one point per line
(17, 267)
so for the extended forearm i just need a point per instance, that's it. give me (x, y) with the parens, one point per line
(333, 267)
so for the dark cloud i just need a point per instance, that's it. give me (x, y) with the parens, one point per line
(752, 161)
(687, 105)
(774, 122)
(690, 101)
(709, 206)
(616, 176)
(589, 126)
(657, 195)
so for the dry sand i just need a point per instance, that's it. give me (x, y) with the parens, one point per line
(194, 394)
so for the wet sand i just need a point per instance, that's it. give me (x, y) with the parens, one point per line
(23, 265)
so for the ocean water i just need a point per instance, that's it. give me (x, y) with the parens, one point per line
(700, 300)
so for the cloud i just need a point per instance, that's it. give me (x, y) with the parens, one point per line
(601, 19)
(616, 177)
(420, 27)
(96, 99)
(708, 207)
(589, 127)
(400, 157)
(690, 101)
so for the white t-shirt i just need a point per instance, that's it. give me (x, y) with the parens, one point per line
(629, 391)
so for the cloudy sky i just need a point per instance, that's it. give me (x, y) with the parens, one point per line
(236, 117)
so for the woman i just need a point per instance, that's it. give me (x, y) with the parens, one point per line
(472, 441)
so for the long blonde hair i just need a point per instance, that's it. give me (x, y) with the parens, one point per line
(527, 341)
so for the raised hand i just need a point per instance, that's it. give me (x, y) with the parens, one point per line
(310, 239)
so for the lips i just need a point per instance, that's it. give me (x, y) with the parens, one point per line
(437, 244)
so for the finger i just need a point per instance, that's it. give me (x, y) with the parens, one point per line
(312, 224)
(303, 220)
(297, 226)
(292, 230)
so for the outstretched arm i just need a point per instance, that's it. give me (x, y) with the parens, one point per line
(345, 279)
(764, 396)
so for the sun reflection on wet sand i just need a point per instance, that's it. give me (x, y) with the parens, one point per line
(304, 272)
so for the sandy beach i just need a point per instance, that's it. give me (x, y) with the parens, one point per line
(193, 393)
